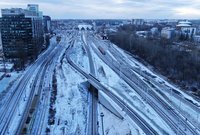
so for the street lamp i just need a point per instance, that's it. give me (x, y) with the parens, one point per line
(19, 114)
(102, 115)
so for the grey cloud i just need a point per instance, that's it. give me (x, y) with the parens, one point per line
(109, 8)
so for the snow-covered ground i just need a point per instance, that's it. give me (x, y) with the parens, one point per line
(71, 104)
(120, 88)
(21, 105)
(79, 55)
(178, 100)
(113, 125)
(7, 81)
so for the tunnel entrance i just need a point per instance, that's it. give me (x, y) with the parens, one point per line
(93, 90)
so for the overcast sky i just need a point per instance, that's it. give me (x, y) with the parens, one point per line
(111, 9)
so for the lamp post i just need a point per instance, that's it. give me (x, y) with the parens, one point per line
(102, 115)
(19, 114)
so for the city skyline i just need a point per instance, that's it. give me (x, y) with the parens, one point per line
(90, 67)
(113, 9)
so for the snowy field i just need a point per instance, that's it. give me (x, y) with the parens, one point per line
(122, 90)
(114, 125)
(180, 100)
(8, 81)
(79, 55)
(71, 104)
(72, 95)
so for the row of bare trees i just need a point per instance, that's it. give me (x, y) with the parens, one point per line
(178, 65)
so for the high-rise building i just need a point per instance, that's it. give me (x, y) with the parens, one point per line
(33, 8)
(21, 32)
(138, 21)
(47, 24)
(47, 30)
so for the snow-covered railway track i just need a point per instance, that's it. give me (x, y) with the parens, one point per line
(39, 122)
(132, 114)
(92, 128)
(153, 99)
(10, 106)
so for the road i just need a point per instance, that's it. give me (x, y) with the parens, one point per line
(24, 90)
(35, 85)
(39, 123)
(123, 69)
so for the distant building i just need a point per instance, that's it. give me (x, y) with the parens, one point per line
(126, 22)
(186, 28)
(22, 32)
(6, 67)
(1, 48)
(47, 30)
(0, 42)
(138, 21)
(154, 31)
(184, 24)
(143, 34)
(33, 8)
(85, 27)
(196, 38)
(167, 33)
(47, 24)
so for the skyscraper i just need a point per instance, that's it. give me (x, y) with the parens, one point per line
(22, 33)
(47, 24)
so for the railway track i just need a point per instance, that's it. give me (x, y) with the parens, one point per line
(39, 119)
(42, 108)
(156, 87)
(39, 122)
(153, 99)
(132, 114)
(9, 108)
(92, 129)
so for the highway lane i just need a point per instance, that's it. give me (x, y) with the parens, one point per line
(130, 112)
(170, 116)
(36, 89)
(34, 92)
(40, 120)
(9, 107)
(39, 123)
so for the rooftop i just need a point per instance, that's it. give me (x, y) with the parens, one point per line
(184, 24)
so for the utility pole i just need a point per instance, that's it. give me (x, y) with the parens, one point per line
(19, 114)
(25, 95)
(102, 115)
